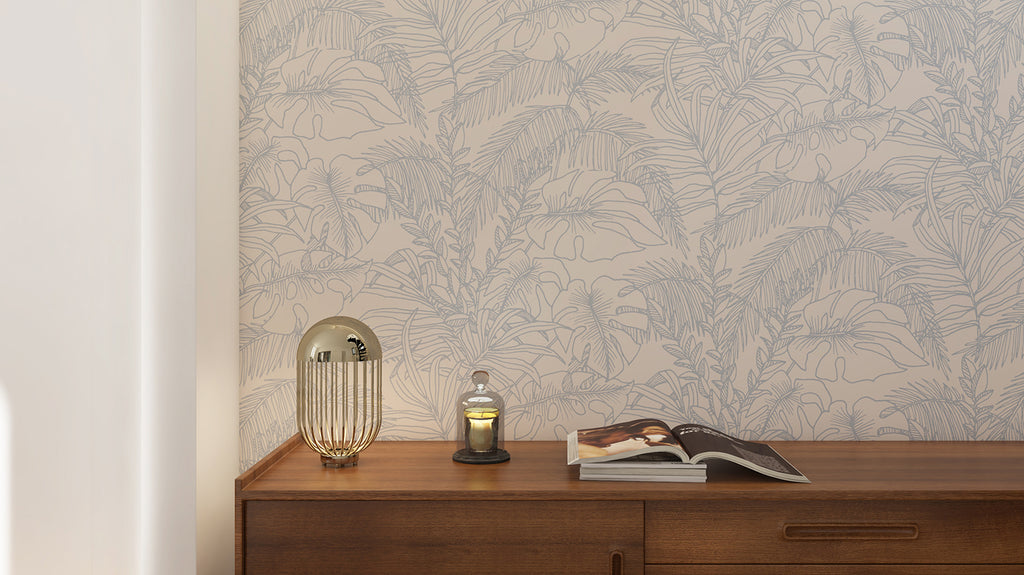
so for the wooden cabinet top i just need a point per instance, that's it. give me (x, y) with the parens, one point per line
(424, 470)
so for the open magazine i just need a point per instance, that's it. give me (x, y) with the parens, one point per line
(645, 439)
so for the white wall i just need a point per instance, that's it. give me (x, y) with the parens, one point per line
(216, 284)
(168, 290)
(69, 294)
(97, 285)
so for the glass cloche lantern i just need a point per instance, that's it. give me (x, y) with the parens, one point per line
(338, 389)
(481, 436)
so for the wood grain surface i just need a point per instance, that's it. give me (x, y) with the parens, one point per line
(538, 471)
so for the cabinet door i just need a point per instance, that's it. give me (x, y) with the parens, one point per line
(441, 537)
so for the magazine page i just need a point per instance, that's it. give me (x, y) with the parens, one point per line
(702, 443)
(630, 439)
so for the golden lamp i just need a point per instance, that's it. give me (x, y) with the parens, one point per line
(338, 389)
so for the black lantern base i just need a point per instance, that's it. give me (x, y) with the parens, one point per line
(478, 457)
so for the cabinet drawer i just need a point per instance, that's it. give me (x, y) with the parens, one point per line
(441, 537)
(832, 569)
(821, 532)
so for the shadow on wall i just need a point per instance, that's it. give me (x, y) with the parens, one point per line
(5, 482)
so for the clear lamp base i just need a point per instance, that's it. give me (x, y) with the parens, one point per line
(340, 461)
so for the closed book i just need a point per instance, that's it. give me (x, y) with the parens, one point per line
(644, 468)
(650, 478)
(666, 471)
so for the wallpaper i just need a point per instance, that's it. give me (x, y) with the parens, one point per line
(787, 219)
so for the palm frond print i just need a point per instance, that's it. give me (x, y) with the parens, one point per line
(785, 219)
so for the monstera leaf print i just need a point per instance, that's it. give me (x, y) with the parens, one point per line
(262, 157)
(549, 29)
(267, 166)
(270, 295)
(266, 417)
(786, 407)
(606, 332)
(853, 337)
(344, 212)
(528, 283)
(330, 94)
(866, 419)
(867, 50)
(794, 20)
(567, 400)
(593, 216)
(826, 139)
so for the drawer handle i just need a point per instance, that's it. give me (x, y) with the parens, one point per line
(858, 531)
(615, 560)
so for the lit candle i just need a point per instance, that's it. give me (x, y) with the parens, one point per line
(481, 428)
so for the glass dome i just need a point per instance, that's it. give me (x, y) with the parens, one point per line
(481, 432)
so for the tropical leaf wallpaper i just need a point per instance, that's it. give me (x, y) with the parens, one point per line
(787, 219)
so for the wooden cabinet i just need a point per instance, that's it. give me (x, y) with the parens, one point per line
(871, 509)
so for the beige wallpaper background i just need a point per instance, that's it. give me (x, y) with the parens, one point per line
(784, 219)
